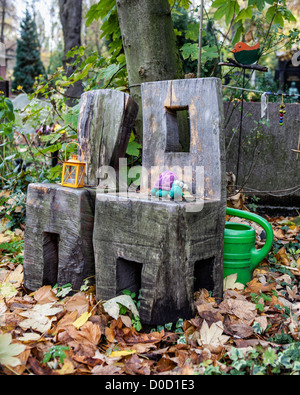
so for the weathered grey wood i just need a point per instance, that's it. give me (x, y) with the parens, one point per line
(170, 243)
(58, 236)
(59, 223)
(203, 99)
(106, 118)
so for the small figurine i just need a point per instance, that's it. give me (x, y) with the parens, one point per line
(244, 54)
(164, 184)
(169, 185)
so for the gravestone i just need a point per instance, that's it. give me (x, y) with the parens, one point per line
(168, 249)
(60, 220)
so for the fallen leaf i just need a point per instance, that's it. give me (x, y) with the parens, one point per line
(5, 238)
(67, 368)
(16, 276)
(263, 322)
(123, 353)
(106, 370)
(126, 320)
(242, 309)
(88, 333)
(78, 302)
(112, 307)
(9, 351)
(212, 335)
(29, 337)
(255, 286)
(230, 282)
(241, 330)
(45, 295)
(82, 320)
(7, 290)
(39, 368)
(37, 318)
(282, 257)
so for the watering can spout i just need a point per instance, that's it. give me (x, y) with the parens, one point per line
(244, 257)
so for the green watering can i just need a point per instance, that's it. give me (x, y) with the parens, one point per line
(240, 254)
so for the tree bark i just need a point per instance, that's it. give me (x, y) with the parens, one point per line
(150, 46)
(3, 20)
(71, 16)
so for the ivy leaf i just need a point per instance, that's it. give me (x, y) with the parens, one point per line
(269, 357)
(9, 350)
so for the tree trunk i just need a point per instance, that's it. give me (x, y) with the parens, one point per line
(3, 20)
(71, 16)
(150, 46)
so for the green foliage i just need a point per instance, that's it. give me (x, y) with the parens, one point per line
(28, 62)
(106, 10)
(14, 250)
(274, 13)
(56, 352)
(135, 320)
(258, 361)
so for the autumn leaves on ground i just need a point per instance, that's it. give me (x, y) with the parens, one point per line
(252, 330)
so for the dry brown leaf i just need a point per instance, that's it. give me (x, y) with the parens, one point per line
(16, 276)
(242, 309)
(106, 370)
(67, 320)
(78, 302)
(263, 321)
(241, 330)
(255, 286)
(88, 333)
(282, 257)
(45, 295)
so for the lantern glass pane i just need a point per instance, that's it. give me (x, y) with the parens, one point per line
(70, 174)
(81, 175)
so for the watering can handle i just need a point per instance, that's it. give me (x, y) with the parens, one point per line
(257, 255)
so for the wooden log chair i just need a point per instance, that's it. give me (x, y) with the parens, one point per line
(60, 220)
(166, 250)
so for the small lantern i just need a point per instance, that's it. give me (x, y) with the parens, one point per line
(73, 171)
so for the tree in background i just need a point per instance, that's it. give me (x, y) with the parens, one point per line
(70, 12)
(28, 61)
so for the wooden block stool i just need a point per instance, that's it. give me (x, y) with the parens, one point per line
(60, 220)
(58, 236)
(168, 249)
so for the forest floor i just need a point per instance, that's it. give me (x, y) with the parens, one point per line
(252, 330)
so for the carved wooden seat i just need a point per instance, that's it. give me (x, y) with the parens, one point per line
(60, 220)
(168, 249)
